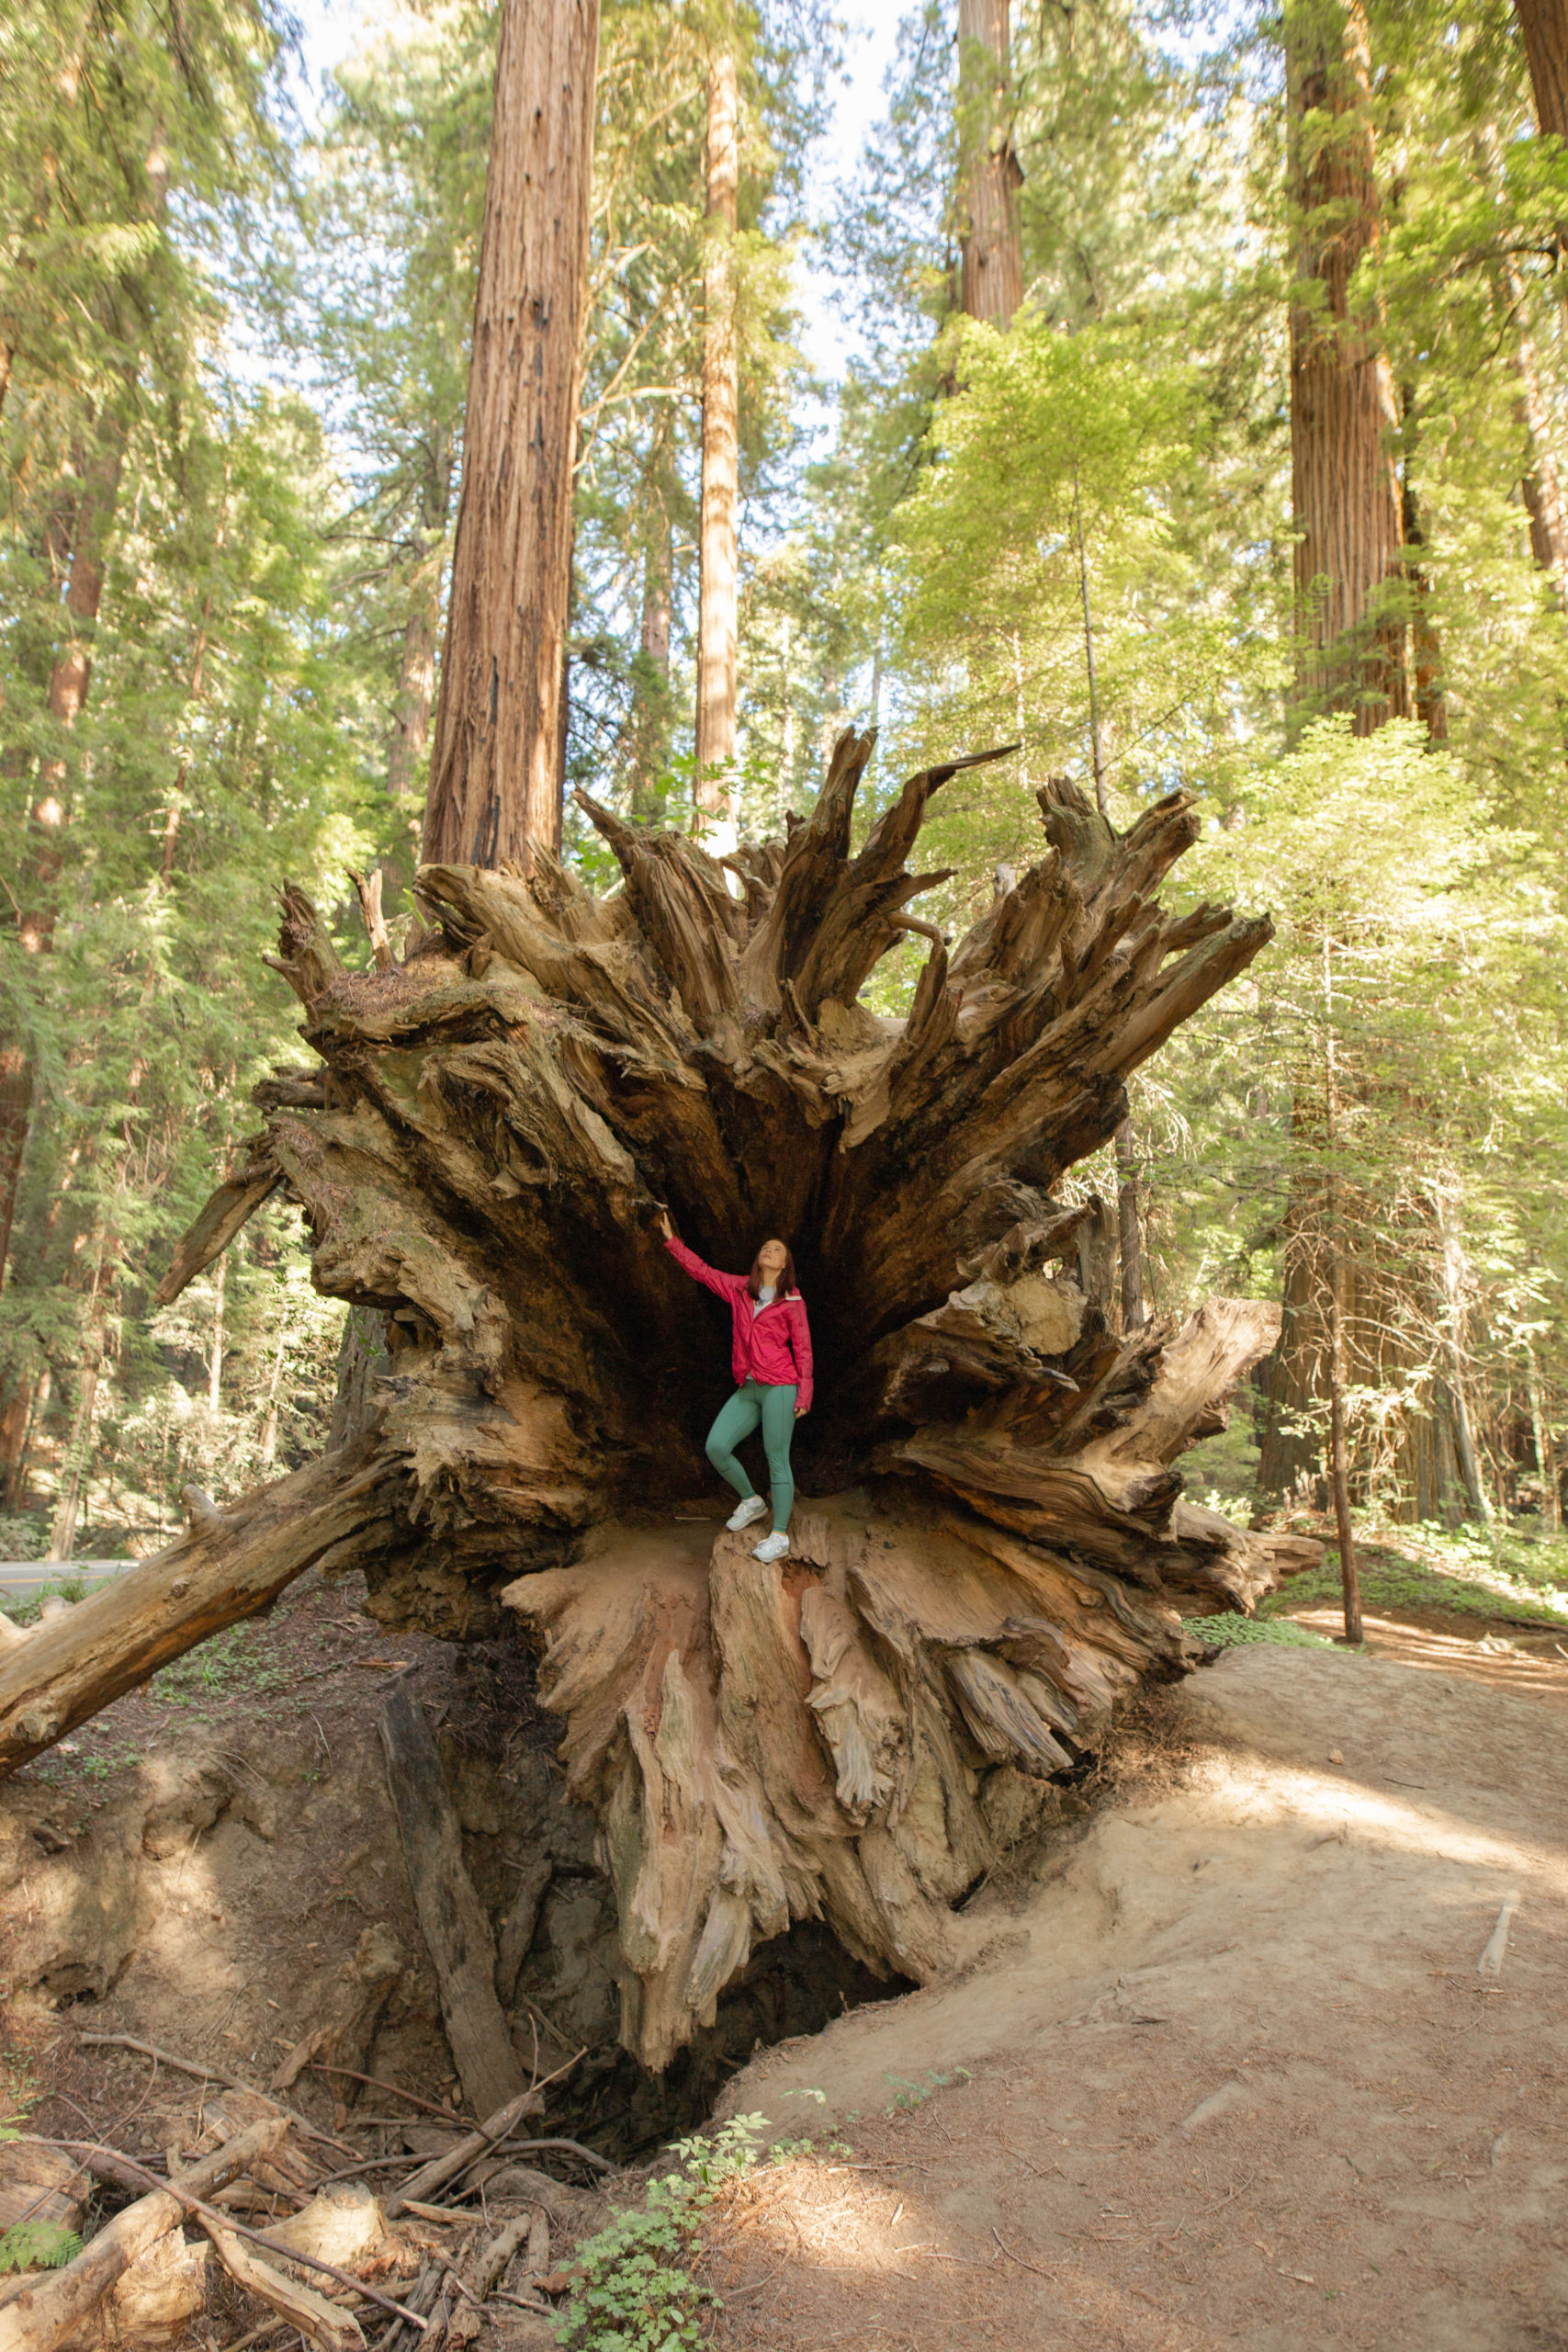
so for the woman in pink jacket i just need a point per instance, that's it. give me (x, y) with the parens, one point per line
(770, 1358)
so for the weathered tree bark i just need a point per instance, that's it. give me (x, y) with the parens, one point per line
(456, 1932)
(1344, 421)
(991, 240)
(1544, 24)
(16, 1123)
(719, 582)
(999, 1550)
(495, 764)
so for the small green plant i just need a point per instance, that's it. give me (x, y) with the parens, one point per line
(1230, 1629)
(906, 2096)
(23, 1535)
(228, 1664)
(37, 2245)
(633, 2289)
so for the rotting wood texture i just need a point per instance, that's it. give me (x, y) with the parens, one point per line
(997, 1549)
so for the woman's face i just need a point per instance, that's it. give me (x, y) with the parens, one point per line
(770, 1260)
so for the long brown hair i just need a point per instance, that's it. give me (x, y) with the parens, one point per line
(786, 1282)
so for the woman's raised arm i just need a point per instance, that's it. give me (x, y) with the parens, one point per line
(726, 1285)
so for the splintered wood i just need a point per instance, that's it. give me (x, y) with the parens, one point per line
(997, 1549)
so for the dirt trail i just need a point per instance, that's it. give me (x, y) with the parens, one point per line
(1439, 1641)
(1229, 2075)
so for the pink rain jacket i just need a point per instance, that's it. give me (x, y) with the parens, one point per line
(773, 1347)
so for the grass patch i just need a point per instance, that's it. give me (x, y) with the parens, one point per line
(1232, 1630)
(228, 1666)
(1513, 1580)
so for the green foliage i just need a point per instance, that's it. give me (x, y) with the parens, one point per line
(1431, 1567)
(37, 2245)
(632, 2289)
(908, 2095)
(227, 1663)
(1229, 1630)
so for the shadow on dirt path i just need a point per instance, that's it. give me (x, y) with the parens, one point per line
(1229, 2075)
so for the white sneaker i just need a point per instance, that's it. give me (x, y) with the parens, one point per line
(746, 1513)
(773, 1547)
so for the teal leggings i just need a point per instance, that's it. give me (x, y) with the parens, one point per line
(774, 1408)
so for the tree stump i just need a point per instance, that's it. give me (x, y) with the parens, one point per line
(996, 1551)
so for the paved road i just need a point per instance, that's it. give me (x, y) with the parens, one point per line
(21, 1579)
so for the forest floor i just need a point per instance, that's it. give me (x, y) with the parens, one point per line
(1220, 2067)
(1228, 2074)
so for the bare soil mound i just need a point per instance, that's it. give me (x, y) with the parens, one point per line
(1229, 2073)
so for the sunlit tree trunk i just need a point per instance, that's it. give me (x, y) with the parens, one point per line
(496, 760)
(28, 1401)
(1545, 1453)
(1541, 486)
(718, 590)
(989, 239)
(1544, 24)
(1344, 421)
(1425, 646)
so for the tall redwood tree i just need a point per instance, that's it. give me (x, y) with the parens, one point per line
(719, 586)
(1544, 24)
(495, 771)
(990, 240)
(1345, 493)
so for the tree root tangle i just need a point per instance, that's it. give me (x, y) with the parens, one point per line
(999, 1550)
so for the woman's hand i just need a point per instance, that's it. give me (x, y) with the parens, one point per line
(801, 1411)
(666, 1229)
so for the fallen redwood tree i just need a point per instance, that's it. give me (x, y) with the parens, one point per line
(999, 1549)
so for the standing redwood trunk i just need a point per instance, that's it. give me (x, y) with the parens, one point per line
(1541, 486)
(495, 768)
(990, 239)
(16, 1115)
(1425, 645)
(718, 594)
(1544, 24)
(1344, 491)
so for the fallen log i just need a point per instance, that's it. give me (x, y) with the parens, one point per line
(464, 2151)
(51, 2305)
(333, 2330)
(226, 1566)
